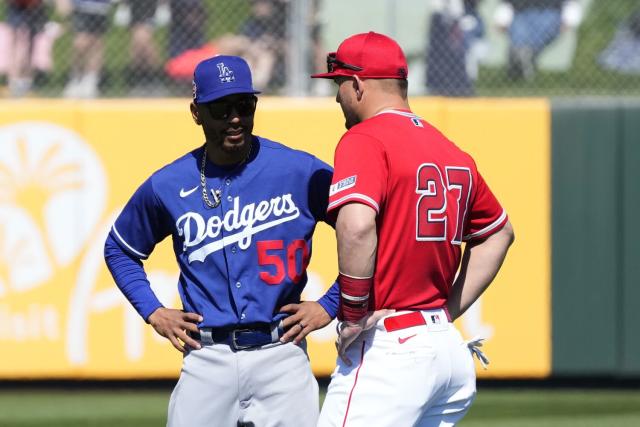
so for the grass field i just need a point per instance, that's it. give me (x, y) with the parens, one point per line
(495, 408)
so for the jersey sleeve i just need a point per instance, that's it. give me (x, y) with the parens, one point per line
(319, 183)
(330, 300)
(487, 216)
(141, 224)
(130, 277)
(360, 173)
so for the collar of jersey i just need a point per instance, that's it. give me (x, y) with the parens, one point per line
(398, 112)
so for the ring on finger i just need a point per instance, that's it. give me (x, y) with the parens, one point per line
(301, 325)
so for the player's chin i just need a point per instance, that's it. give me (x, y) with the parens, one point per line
(350, 119)
(236, 142)
(350, 122)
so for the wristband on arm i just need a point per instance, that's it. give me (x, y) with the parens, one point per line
(354, 297)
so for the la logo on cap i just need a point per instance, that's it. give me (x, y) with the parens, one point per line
(221, 76)
(226, 75)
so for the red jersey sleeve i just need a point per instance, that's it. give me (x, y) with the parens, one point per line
(487, 216)
(360, 173)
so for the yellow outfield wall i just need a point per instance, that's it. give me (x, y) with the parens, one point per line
(68, 167)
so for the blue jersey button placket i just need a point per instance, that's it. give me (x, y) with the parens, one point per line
(229, 196)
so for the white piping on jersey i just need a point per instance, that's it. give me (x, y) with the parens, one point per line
(140, 254)
(400, 113)
(354, 196)
(245, 234)
(488, 228)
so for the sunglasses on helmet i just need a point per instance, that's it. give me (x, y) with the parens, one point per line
(221, 110)
(333, 63)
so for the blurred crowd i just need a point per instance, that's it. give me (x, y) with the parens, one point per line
(456, 39)
(164, 39)
(31, 28)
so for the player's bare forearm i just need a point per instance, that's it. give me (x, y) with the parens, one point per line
(357, 240)
(303, 319)
(480, 264)
(174, 326)
(357, 244)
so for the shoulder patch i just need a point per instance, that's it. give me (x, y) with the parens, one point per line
(342, 185)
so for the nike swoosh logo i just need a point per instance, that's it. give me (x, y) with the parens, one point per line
(184, 194)
(404, 340)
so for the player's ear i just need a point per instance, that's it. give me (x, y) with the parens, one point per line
(358, 86)
(195, 113)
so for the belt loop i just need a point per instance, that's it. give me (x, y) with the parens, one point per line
(446, 311)
(276, 327)
(206, 336)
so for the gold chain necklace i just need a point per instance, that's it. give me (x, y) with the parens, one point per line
(217, 194)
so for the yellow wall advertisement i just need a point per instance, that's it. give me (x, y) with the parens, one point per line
(68, 167)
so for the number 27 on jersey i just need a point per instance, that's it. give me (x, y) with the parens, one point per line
(434, 210)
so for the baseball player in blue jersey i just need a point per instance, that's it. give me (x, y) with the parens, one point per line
(241, 211)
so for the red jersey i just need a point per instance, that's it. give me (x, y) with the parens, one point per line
(429, 198)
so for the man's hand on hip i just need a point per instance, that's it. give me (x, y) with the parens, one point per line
(304, 318)
(174, 325)
(349, 331)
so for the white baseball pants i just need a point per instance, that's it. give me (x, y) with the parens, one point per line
(417, 376)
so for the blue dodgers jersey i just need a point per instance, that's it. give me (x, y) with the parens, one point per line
(243, 260)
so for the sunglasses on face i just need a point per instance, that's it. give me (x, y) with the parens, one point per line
(221, 110)
(333, 63)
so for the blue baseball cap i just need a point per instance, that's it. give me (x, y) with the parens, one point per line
(220, 76)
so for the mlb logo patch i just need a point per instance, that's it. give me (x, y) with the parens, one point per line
(226, 75)
(435, 319)
(416, 121)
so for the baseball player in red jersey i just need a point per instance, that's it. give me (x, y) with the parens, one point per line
(405, 198)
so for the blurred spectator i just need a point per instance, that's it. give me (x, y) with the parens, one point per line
(455, 33)
(41, 58)
(90, 22)
(261, 41)
(623, 52)
(187, 40)
(532, 26)
(318, 54)
(5, 51)
(25, 18)
(144, 59)
(187, 28)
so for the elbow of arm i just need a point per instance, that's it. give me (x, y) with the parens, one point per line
(110, 248)
(509, 233)
(358, 231)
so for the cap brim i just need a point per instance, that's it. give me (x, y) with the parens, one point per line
(226, 92)
(334, 74)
